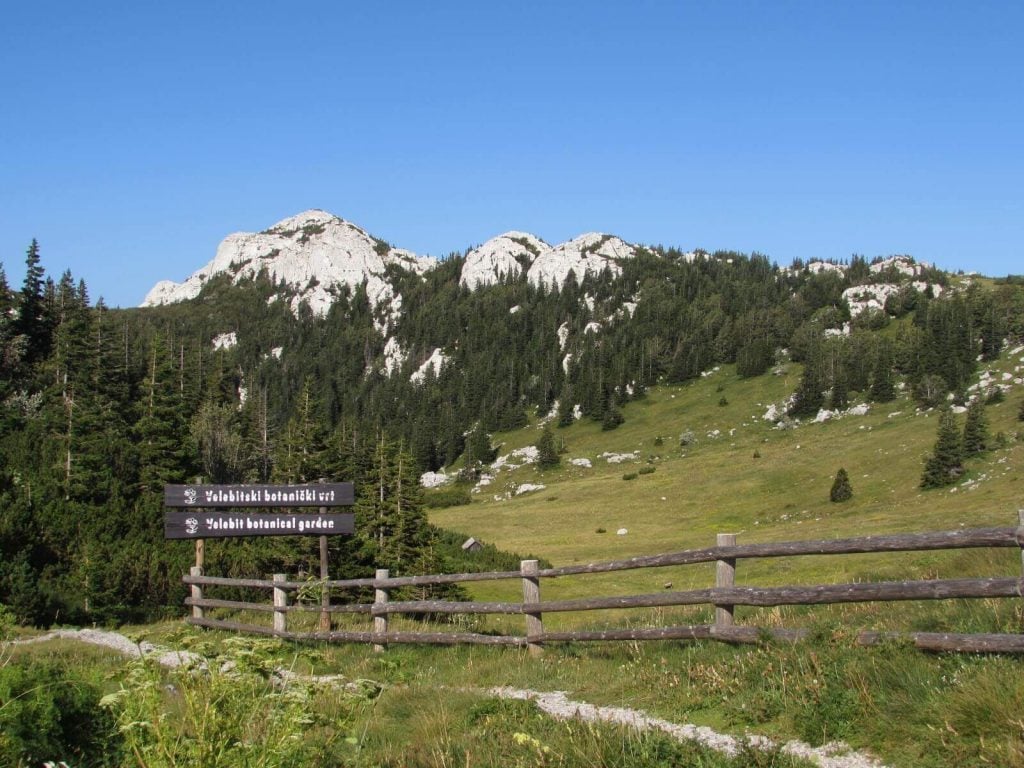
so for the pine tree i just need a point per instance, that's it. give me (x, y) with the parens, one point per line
(810, 392)
(547, 453)
(840, 398)
(612, 418)
(841, 488)
(31, 322)
(302, 441)
(976, 436)
(161, 433)
(883, 390)
(945, 465)
(478, 447)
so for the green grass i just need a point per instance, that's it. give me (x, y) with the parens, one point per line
(718, 486)
(907, 707)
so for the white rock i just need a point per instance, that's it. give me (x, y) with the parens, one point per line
(500, 257)
(276, 352)
(815, 267)
(592, 328)
(622, 532)
(436, 361)
(563, 335)
(529, 488)
(905, 265)
(588, 254)
(433, 479)
(394, 357)
(514, 310)
(618, 458)
(581, 463)
(314, 253)
(518, 457)
(225, 340)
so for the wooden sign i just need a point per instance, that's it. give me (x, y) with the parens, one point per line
(212, 525)
(228, 496)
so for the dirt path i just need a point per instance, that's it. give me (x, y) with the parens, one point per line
(554, 703)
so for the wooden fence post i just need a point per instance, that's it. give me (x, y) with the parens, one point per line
(380, 597)
(531, 595)
(325, 593)
(280, 601)
(1020, 538)
(197, 592)
(725, 576)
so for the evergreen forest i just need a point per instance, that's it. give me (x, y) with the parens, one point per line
(100, 407)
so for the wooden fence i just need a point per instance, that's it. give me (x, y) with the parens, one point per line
(725, 595)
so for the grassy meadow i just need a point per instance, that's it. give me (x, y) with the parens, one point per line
(427, 706)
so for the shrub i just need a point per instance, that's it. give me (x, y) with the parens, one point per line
(547, 453)
(659, 440)
(945, 465)
(841, 488)
(646, 470)
(630, 476)
(49, 713)
(258, 721)
(449, 496)
(722, 401)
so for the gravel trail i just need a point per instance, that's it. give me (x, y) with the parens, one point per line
(554, 703)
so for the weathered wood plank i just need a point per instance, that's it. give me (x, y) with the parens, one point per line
(269, 608)
(448, 578)
(900, 542)
(430, 638)
(938, 589)
(444, 606)
(949, 641)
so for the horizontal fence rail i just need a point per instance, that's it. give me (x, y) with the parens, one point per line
(724, 596)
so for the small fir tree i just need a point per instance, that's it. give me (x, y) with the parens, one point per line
(810, 395)
(547, 452)
(840, 398)
(883, 389)
(976, 436)
(945, 465)
(1020, 413)
(841, 488)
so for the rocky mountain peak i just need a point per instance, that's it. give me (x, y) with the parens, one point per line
(313, 253)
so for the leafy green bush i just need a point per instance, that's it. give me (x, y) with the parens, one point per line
(50, 713)
(630, 476)
(448, 496)
(232, 710)
(648, 470)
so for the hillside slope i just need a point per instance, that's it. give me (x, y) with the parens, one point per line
(743, 474)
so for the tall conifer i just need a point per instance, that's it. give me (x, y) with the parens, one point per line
(945, 465)
(976, 437)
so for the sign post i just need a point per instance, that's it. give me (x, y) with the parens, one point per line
(220, 511)
(200, 511)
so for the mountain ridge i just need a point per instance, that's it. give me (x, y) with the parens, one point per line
(316, 253)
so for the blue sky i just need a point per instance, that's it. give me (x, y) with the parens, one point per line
(135, 136)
